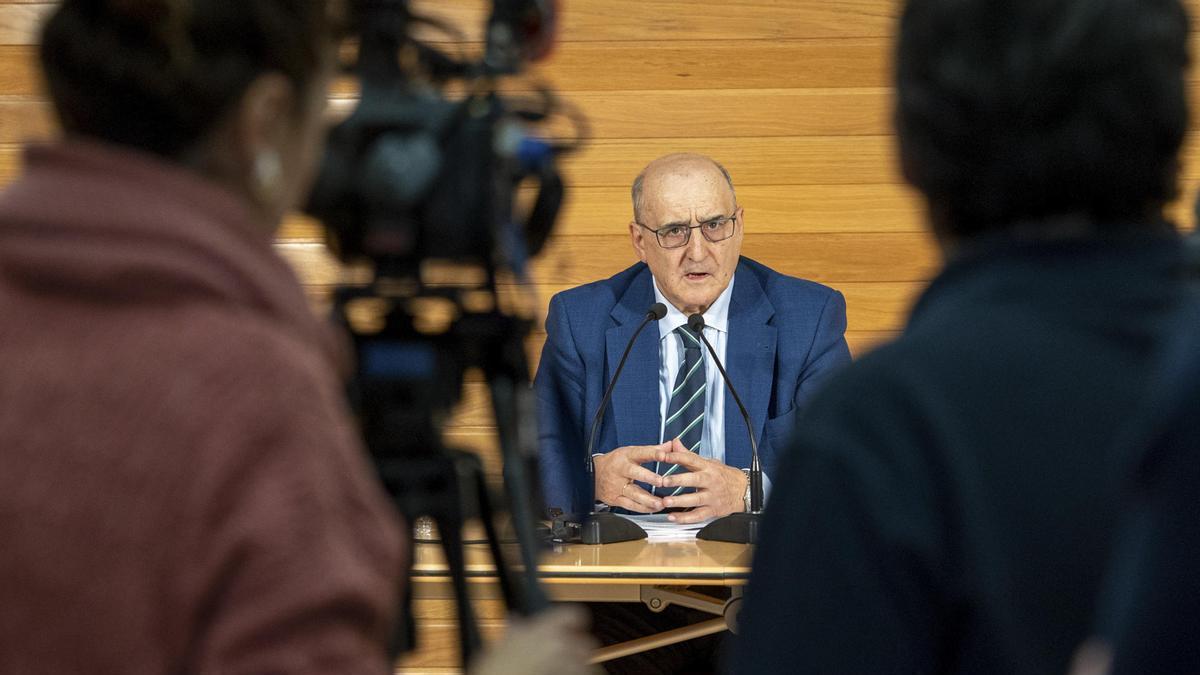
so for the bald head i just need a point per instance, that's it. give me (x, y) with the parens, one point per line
(688, 197)
(674, 165)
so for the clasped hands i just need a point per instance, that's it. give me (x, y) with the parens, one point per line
(719, 488)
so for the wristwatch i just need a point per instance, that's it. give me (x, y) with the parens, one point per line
(746, 496)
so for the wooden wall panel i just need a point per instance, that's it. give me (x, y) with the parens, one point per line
(18, 71)
(20, 20)
(666, 20)
(769, 209)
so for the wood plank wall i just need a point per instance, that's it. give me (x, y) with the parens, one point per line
(791, 95)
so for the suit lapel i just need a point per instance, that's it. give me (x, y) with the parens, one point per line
(635, 401)
(749, 360)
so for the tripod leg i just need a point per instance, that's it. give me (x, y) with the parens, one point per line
(404, 630)
(488, 515)
(452, 547)
(519, 448)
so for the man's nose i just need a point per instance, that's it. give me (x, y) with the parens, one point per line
(696, 245)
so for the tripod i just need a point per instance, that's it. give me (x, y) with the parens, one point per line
(405, 381)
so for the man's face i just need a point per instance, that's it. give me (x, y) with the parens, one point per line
(691, 276)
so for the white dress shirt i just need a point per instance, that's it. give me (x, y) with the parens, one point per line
(670, 350)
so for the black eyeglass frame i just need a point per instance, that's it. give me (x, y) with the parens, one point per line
(687, 238)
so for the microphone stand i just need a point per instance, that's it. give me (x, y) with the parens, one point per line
(740, 527)
(606, 527)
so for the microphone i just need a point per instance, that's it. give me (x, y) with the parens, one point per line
(606, 527)
(740, 527)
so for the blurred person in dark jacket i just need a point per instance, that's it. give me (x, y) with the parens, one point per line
(949, 499)
(1149, 610)
(183, 490)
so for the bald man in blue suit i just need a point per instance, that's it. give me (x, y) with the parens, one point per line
(778, 337)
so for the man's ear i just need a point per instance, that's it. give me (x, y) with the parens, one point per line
(637, 234)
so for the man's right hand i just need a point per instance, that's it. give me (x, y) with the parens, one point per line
(616, 472)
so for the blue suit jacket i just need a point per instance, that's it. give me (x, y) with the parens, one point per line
(785, 336)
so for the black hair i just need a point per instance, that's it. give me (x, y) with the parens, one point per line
(1017, 112)
(159, 74)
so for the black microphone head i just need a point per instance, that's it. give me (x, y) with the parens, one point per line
(657, 311)
(696, 322)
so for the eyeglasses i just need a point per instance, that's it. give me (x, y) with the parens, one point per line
(715, 230)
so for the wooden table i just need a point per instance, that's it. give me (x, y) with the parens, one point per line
(654, 573)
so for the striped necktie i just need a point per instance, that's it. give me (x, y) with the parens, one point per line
(685, 413)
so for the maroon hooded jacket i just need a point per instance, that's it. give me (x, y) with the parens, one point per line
(181, 490)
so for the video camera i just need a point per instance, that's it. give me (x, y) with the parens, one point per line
(414, 175)
(416, 180)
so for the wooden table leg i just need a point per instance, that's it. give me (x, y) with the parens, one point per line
(657, 640)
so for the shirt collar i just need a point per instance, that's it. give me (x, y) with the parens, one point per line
(716, 316)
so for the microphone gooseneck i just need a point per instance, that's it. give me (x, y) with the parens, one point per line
(656, 312)
(605, 527)
(696, 324)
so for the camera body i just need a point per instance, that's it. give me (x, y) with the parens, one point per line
(413, 175)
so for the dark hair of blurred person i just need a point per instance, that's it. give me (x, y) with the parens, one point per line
(235, 91)
(950, 498)
(183, 489)
(1014, 116)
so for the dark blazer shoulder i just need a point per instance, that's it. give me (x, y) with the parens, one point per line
(786, 291)
(598, 297)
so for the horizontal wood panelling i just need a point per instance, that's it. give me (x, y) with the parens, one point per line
(821, 160)
(763, 161)
(19, 21)
(749, 64)
(769, 209)
(669, 66)
(684, 114)
(817, 160)
(18, 70)
(637, 114)
(706, 113)
(664, 20)
(24, 118)
(639, 21)
(796, 59)
(681, 114)
(614, 66)
(828, 258)
(631, 21)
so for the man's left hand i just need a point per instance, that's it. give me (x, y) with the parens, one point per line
(720, 489)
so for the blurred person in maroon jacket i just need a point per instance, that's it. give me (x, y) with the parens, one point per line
(182, 488)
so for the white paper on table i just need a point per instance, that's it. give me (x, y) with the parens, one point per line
(658, 528)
